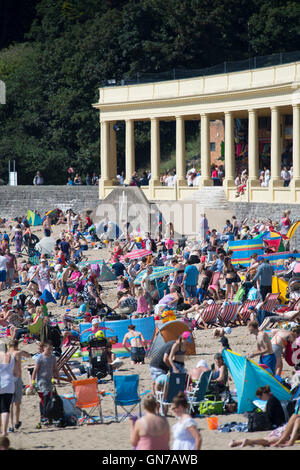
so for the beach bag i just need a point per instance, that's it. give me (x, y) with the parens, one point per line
(53, 406)
(258, 421)
(252, 294)
(209, 407)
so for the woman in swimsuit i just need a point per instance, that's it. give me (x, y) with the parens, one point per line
(231, 278)
(178, 351)
(137, 345)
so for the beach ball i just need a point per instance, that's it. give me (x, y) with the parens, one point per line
(99, 334)
(105, 241)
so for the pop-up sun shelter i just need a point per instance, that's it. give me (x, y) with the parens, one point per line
(33, 218)
(248, 377)
(168, 332)
(104, 274)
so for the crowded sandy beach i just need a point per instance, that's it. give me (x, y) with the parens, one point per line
(55, 281)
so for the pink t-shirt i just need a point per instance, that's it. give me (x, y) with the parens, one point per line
(142, 306)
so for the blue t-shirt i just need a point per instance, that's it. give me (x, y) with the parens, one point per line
(192, 273)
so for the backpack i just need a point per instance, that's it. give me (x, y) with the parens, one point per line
(258, 421)
(53, 406)
(55, 336)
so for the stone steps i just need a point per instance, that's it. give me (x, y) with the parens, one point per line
(211, 197)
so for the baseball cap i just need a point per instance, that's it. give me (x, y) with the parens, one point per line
(187, 335)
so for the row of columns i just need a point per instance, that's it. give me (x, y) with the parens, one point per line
(109, 157)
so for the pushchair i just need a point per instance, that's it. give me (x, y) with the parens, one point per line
(98, 359)
(29, 242)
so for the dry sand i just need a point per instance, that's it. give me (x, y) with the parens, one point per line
(115, 436)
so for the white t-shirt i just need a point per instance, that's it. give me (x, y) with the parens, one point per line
(3, 261)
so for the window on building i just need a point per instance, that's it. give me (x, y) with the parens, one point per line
(212, 146)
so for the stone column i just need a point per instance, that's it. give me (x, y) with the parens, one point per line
(129, 151)
(275, 148)
(295, 183)
(104, 158)
(113, 151)
(205, 179)
(229, 150)
(180, 152)
(253, 163)
(155, 152)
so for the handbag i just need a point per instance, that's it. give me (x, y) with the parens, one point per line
(259, 421)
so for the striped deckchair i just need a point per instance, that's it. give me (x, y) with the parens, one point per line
(270, 302)
(228, 313)
(208, 317)
(244, 313)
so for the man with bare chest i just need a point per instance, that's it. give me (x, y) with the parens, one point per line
(264, 347)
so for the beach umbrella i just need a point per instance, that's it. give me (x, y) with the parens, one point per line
(158, 273)
(248, 376)
(136, 254)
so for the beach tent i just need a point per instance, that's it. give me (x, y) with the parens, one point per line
(170, 331)
(244, 249)
(276, 244)
(33, 218)
(158, 273)
(248, 377)
(105, 274)
(292, 230)
(46, 246)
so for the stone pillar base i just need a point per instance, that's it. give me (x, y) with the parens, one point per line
(253, 183)
(153, 184)
(181, 183)
(102, 186)
(275, 183)
(205, 182)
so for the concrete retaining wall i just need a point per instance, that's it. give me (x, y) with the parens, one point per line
(16, 200)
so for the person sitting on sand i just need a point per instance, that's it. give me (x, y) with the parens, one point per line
(282, 436)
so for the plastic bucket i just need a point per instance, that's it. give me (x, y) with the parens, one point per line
(212, 422)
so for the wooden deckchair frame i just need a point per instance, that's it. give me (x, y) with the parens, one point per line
(62, 364)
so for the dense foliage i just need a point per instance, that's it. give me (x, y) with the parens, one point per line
(55, 54)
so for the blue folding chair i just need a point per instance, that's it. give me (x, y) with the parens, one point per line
(197, 394)
(126, 395)
(173, 384)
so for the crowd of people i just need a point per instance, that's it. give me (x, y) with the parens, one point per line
(204, 275)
